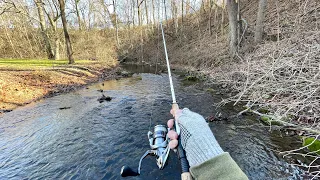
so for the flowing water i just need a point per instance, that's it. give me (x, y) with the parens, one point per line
(86, 139)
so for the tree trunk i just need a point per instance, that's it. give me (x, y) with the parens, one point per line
(232, 7)
(139, 13)
(239, 24)
(153, 11)
(174, 10)
(210, 12)
(222, 21)
(182, 9)
(116, 20)
(78, 14)
(133, 13)
(187, 7)
(260, 18)
(146, 9)
(57, 49)
(42, 22)
(165, 12)
(65, 30)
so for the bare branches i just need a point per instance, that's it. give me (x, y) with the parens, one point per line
(283, 79)
(8, 6)
(310, 168)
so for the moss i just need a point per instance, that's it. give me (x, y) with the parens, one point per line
(138, 77)
(315, 146)
(191, 78)
(210, 90)
(267, 120)
(263, 110)
(276, 123)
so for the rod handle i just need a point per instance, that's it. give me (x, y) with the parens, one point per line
(186, 176)
(181, 153)
(175, 108)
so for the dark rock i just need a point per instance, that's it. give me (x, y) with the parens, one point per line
(102, 84)
(126, 74)
(104, 98)
(62, 108)
(5, 110)
(100, 90)
(211, 118)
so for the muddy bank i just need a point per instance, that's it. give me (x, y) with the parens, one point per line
(18, 88)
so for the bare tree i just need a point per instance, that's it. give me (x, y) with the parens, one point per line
(188, 7)
(146, 10)
(65, 30)
(260, 18)
(165, 11)
(232, 7)
(116, 22)
(76, 3)
(153, 13)
(53, 16)
(210, 14)
(139, 12)
(42, 22)
(174, 11)
(133, 12)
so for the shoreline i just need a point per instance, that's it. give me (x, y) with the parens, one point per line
(19, 88)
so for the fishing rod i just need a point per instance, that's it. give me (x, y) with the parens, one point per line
(159, 140)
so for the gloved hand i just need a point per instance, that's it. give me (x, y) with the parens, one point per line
(196, 137)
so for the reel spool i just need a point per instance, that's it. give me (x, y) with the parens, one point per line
(158, 141)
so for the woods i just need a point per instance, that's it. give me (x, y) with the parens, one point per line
(121, 15)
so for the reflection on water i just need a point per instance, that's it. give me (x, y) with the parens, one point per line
(92, 140)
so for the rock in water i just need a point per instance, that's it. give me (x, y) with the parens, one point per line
(104, 98)
(62, 108)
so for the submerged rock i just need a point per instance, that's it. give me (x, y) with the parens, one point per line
(62, 108)
(104, 98)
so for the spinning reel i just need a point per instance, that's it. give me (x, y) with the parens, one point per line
(158, 141)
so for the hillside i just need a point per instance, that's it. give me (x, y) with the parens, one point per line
(281, 74)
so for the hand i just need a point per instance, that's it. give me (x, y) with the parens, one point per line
(196, 136)
(172, 134)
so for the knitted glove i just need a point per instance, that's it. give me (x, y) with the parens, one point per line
(197, 138)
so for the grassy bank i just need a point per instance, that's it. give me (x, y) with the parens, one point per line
(25, 80)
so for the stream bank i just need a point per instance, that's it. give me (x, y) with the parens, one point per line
(21, 87)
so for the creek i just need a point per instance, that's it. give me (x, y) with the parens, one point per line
(73, 136)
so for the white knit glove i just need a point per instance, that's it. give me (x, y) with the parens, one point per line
(196, 138)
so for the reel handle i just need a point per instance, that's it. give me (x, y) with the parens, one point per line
(185, 175)
(127, 171)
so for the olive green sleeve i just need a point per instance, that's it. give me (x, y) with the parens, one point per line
(221, 167)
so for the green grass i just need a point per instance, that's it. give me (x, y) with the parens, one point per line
(23, 64)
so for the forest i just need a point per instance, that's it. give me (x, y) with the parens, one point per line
(266, 53)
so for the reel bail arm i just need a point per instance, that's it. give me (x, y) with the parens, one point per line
(158, 142)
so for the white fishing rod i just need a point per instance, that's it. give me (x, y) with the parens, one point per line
(181, 153)
(159, 140)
